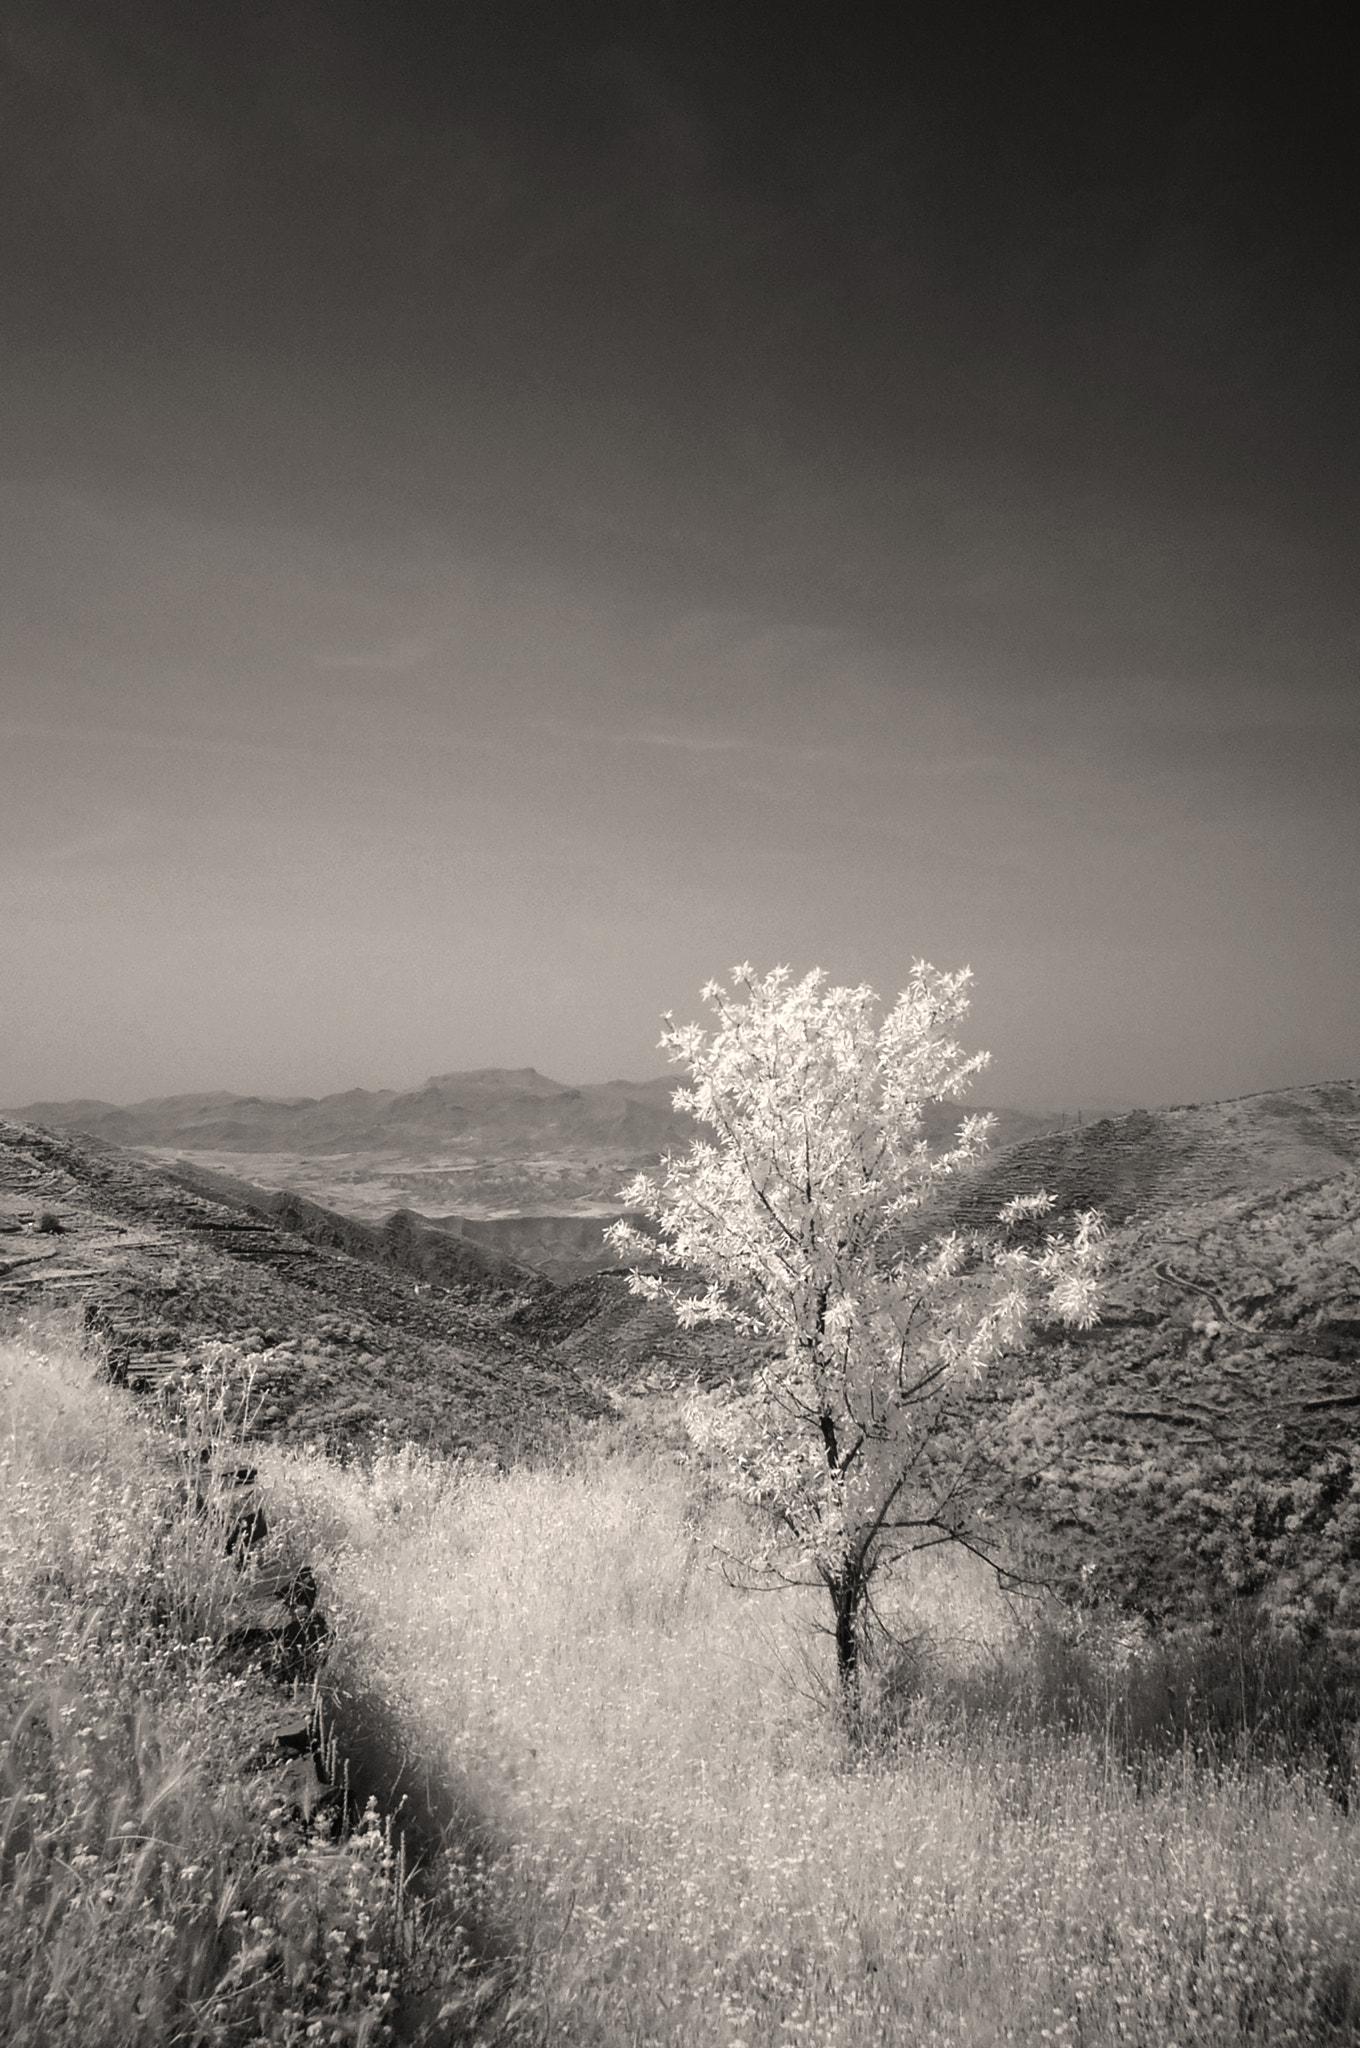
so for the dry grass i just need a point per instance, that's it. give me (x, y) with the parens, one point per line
(692, 1851)
(152, 1891)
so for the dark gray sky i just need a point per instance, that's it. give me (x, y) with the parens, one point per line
(506, 510)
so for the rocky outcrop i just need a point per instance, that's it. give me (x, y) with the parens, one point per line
(278, 1618)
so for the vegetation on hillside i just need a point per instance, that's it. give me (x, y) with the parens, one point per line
(1199, 1450)
(168, 1871)
(1034, 1831)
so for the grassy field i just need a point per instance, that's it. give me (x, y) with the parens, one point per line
(639, 1815)
(690, 1849)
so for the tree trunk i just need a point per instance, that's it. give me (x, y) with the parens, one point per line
(847, 1589)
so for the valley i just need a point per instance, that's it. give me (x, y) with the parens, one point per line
(506, 1157)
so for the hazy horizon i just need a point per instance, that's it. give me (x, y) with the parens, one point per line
(978, 1097)
(505, 514)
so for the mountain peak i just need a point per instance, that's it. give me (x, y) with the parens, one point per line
(520, 1080)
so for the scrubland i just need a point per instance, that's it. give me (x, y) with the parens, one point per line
(634, 1811)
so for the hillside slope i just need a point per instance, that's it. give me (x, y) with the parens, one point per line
(1205, 1436)
(1152, 1160)
(349, 1331)
(413, 1244)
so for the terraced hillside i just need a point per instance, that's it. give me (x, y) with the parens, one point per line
(1205, 1437)
(348, 1333)
(1152, 1160)
(350, 1327)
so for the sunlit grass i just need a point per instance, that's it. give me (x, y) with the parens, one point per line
(694, 1850)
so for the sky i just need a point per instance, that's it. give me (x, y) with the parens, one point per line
(507, 511)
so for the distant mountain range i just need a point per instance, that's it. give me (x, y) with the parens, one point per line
(526, 1171)
(519, 1167)
(509, 1112)
(509, 1158)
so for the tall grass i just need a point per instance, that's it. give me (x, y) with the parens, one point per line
(691, 1847)
(152, 1888)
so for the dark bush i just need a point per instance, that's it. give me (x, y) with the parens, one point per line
(1246, 1692)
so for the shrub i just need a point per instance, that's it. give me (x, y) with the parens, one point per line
(1244, 1694)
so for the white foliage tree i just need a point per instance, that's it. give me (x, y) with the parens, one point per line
(801, 1220)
